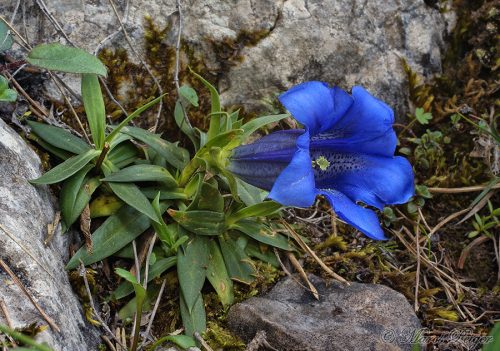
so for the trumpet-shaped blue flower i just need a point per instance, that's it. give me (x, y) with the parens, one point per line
(345, 153)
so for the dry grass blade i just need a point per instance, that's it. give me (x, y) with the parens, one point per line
(477, 207)
(5, 311)
(444, 222)
(203, 343)
(307, 249)
(85, 228)
(16, 280)
(467, 189)
(296, 264)
(468, 248)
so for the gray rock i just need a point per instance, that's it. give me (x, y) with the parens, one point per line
(355, 317)
(25, 211)
(344, 42)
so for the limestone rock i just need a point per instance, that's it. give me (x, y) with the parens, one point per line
(344, 42)
(347, 318)
(25, 211)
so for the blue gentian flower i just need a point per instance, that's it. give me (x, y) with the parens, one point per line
(345, 153)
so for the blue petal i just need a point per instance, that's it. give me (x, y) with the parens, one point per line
(363, 219)
(374, 180)
(337, 140)
(365, 128)
(295, 185)
(315, 105)
(277, 146)
(261, 174)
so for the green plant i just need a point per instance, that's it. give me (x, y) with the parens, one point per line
(210, 225)
(484, 224)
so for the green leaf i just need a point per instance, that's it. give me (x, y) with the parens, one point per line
(422, 116)
(130, 193)
(6, 94)
(200, 222)
(239, 266)
(214, 128)
(114, 234)
(143, 173)
(57, 57)
(194, 320)
(173, 154)
(165, 194)
(184, 126)
(62, 154)
(59, 137)
(126, 275)
(123, 154)
(94, 108)
(217, 275)
(192, 265)
(263, 234)
(262, 252)
(189, 94)
(67, 168)
(494, 344)
(155, 270)
(6, 40)
(256, 123)
(208, 197)
(265, 208)
(69, 192)
(164, 231)
(130, 117)
(250, 194)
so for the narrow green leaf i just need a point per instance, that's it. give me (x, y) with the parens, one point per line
(155, 270)
(217, 275)
(214, 128)
(57, 57)
(165, 194)
(494, 344)
(117, 129)
(124, 154)
(166, 235)
(262, 252)
(265, 208)
(115, 233)
(208, 198)
(184, 125)
(172, 153)
(250, 194)
(263, 234)
(126, 275)
(60, 153)
(67, 168)
(130, 193)
(194, 320)
(239, 266)
(59, 137)
(94, 108)
(256, 123)
(200, 222)
(192, 265)
(69, 192)
(189, 94)
(143, 173)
